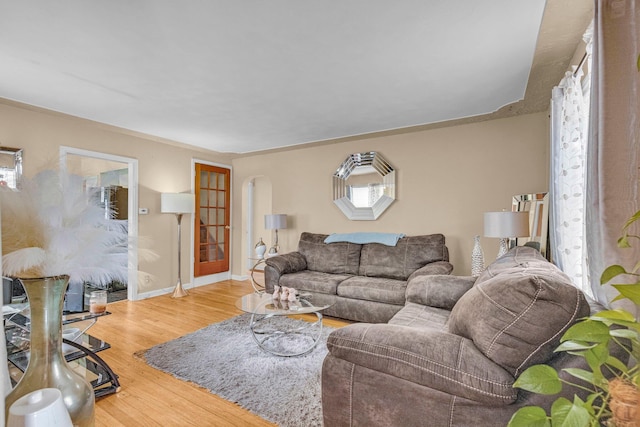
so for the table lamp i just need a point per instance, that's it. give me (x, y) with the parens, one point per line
(275, 222)
(179, 204)
(506, 225)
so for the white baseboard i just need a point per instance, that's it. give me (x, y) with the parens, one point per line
(212, 278)
(197, 282)
(156, 292)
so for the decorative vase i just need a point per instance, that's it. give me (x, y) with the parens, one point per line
(260, 248)
(504, 247)
(477, 258)
(47, 366)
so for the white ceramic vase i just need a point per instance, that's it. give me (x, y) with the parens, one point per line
(260, 249)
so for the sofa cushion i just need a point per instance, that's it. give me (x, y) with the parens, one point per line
(517, 312)
(442, 291)
(378, 289)
(421, 316)
(425, 356)
(287, 263)
(338, 258)
(313, 281)
(433, 268)
(400, 261)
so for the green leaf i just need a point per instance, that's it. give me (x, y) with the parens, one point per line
(638, 63)
(582, 374)
(567, 414)
(573, 346)
(617, 364)
(587, 330)
(597, 355)
(623, 242)
(616, 317)
(617, 314)
(635, 216)
(631, 292)
(540, 379)
(611, 272)
(624, 333)
(529, 416)
(588, 404)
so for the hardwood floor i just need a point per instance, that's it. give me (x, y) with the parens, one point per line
(149, 397)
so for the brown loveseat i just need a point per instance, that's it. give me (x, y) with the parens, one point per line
(363, 282)
(451, 355)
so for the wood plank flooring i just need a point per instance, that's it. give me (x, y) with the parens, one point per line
(149, 397)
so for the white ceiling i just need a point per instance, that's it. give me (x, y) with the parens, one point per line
(244, 76)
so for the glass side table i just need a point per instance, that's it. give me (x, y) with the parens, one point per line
(258, 287)
(81, 356)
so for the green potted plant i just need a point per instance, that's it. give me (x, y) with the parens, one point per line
(614, 399)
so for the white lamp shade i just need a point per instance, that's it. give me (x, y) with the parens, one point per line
(275, 221)
(506, 224)
(177, 203)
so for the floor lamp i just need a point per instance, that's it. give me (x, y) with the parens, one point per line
(179, 204)
(506, 225)
(275, 222)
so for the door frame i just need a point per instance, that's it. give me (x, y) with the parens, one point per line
(132, 225)
(226, 275)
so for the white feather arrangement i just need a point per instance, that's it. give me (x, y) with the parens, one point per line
(53, 226)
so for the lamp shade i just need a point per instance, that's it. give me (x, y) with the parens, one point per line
(506, 224)
(177, 203)
(275, 221)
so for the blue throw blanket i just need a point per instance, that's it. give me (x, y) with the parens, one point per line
(389, 239)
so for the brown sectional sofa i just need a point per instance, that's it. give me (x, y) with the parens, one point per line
(450, 356)
(363, 282)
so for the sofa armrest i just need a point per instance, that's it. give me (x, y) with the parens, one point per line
(276, 266)
(437, 267)
(442, 291)
(428, 357)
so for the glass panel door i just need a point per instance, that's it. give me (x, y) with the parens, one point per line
(212, 219)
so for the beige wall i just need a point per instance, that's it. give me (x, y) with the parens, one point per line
(161, 168)
(446, 179)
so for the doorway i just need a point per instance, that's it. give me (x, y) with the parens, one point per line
(116, 177)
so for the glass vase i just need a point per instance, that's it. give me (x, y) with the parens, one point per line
(47, 366)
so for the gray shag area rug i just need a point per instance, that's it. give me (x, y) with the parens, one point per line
(224, 359)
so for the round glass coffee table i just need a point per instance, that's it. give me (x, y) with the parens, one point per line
(273, 332)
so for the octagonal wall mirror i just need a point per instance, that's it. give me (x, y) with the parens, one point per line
(364, 186)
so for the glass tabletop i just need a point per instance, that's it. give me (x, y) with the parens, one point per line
(17, 341)
(83, 360)
(264, 304)
(17, 333)
(19, 314)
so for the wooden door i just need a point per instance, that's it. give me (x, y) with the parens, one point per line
(213, 198)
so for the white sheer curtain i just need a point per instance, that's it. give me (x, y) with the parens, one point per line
(569, 134)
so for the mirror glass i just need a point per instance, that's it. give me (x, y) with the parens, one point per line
(10, 167)
(364, 186)
(537, 204)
